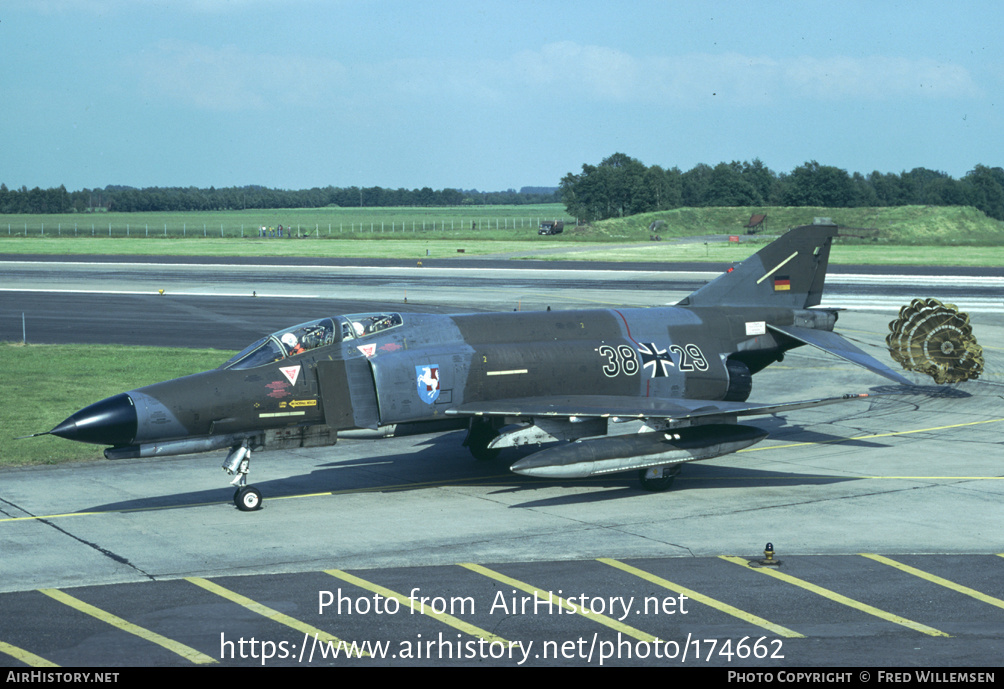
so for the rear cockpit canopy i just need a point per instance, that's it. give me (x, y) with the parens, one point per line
(364, 324)
(311, 335)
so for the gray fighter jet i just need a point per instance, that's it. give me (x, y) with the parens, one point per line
(603, 391)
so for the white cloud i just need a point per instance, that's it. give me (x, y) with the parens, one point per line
(597, 70)
(608, 74)
(877, 77)
(228, 78)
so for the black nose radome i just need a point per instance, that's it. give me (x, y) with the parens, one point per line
(109, 422)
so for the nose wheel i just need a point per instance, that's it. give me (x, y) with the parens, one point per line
(246, 498)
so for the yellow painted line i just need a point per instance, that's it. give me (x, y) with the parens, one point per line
(706, 600)
(26, 657)
(415, 605)
(838, 598)
(489, 480)
(265, 611)
(982, 597)
(868, 437)
(181, 649)
(405, 486)
(548, 596)
(50, 516)
(101, 512)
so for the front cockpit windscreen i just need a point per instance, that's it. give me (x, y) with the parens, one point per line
(306, 336)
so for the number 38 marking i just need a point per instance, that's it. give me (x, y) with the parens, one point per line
(621, 360)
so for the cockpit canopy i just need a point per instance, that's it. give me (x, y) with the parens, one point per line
(311, 335)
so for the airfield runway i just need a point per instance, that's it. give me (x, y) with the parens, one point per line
(886, 513)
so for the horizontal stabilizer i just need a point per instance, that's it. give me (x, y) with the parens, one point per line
(608, 406)
(833, 343)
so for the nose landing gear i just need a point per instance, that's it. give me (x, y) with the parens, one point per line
(246, 498)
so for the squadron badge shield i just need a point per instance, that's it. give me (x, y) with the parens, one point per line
(428, 382)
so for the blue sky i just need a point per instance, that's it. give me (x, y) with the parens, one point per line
(489, 95)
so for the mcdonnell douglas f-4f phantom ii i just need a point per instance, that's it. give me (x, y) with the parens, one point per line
(609, 390)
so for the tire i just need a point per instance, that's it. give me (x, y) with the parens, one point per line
(248, 499)
(661, 483)
(482, 453)
(477, 442)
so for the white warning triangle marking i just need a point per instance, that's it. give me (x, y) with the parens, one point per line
(291, 373)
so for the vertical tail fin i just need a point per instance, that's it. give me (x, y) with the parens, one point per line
(789, 272)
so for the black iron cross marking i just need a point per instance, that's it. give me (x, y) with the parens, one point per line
(659, 359)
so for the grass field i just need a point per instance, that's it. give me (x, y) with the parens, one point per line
(907, 235)
(563, 247)
(514, 221)
(43, 384)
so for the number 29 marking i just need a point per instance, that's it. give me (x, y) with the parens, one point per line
(691, 357)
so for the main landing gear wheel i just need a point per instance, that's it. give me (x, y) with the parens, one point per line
(658, 478)
(247, 499)
(480, 434)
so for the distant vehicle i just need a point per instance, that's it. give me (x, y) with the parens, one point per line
(552, 227)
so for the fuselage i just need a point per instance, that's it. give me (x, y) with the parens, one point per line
(376, 370)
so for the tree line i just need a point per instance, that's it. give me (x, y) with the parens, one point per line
(621, 185)
(150, 199)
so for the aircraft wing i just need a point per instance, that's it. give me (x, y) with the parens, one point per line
(833, 343)
(606, 406)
